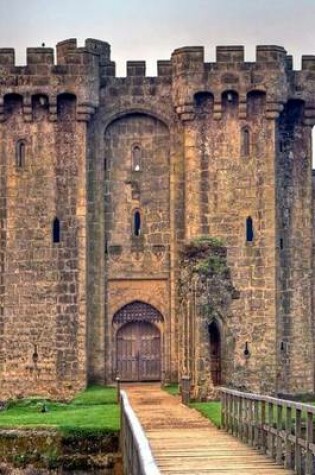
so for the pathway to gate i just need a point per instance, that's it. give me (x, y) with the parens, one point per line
(184, 442)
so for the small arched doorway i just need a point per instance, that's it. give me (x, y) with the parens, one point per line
(138, 342)
(215, 353)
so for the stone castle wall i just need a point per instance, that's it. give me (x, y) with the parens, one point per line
(230, 110)
(294, 251)
(43, 221)
(218, 149)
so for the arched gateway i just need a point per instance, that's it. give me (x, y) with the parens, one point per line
(138, 342)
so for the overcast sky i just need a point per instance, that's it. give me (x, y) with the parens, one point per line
(152, 29)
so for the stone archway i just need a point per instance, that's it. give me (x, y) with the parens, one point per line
(138, 342)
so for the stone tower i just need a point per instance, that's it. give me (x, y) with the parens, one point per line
(107, 186)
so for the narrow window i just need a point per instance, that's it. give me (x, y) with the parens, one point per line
(137, 223)
(20, 154)
(229, 103)
(245, 142)
(56, 231)
(136, 158)
(249, 230)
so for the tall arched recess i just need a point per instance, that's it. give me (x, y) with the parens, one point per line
(131, 186)
(138, 330)
(137, 233)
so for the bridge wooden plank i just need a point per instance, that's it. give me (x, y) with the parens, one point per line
(183, 442)
(183, 471)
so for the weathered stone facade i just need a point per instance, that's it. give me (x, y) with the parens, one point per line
(103, 183)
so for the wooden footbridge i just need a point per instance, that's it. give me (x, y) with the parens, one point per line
(166, 437)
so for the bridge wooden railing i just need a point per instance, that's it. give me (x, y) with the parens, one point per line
(136, 452)
(282, 429)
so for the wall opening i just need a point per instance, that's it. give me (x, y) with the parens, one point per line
(20, 153)
(139, 352)
(204, 102)
(230, 103)
(245, 142)
(40, 106)
(138, 342)
(215, 353)
(13, 103)
(136, 158)
(66, 106)
(249, 229)
(56, 231)
(137, 223)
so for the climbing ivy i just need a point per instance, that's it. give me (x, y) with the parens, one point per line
(210, 265)
(206, 256)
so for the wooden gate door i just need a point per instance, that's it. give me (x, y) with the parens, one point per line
(139, 352)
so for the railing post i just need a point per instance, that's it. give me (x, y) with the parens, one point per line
(228, 418)
(270, 435)
(263, 428)
(250, 422)
(309, 440)
(231, 414)
(186, 390)
(234, 415)
(256, 423)
(241, 417)
(298, 448)
(237, 416)
(223, 410)
(279, 431)
(246, 420)
(288, 431)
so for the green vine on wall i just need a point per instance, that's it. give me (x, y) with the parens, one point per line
(206, 256)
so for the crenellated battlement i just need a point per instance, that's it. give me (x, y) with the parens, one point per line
(270, 54)
(7, 57)
(308, 63)
(40, 56)
(68, 53)
(230, 54)
(136, 68)
(191, 59)
(188, 59)
(84, 70)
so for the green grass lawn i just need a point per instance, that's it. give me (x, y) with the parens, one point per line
(91, 411)
(211, 410)
(172, 389)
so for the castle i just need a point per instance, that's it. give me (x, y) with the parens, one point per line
(118, 194)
